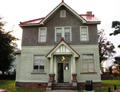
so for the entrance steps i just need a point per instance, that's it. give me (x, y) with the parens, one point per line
(62, 86)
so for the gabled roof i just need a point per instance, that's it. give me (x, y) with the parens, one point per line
(85, 18)
(62, 41)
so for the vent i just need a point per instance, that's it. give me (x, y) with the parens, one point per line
(39, 84)
(63, 13)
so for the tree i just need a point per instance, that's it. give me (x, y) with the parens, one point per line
(116, 25)
(106, 48)
(6, 48)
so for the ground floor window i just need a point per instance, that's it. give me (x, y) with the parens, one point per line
(88, 63)
(39, 64)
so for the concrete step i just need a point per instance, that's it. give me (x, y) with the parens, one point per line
(62, 86)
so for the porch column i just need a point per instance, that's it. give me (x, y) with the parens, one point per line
(74, 66)
(51, 75)
(51, 65)
(74, 74)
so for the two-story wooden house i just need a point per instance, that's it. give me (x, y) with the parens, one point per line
(61, 47)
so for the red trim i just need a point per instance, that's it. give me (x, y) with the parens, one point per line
(31, 20)
(51, 11)
(27, 22)
(62, 39)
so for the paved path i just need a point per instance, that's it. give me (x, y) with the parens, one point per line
(62, 91)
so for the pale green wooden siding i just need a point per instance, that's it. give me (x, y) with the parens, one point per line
(25, 64)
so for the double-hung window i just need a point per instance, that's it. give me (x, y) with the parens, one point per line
(64, 32)
(42, 34)
(58, 34)
(84, 33)
(39, 63)
(67, 34)
(88, 63)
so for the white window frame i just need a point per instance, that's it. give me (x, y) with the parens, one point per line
(81, 34)
(45, 34)
(63, 13)
(88, 61)
(63, 33)
(38, 65)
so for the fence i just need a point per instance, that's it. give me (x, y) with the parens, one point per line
(7, 77)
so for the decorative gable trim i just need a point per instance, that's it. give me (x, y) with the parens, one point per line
(57, 48)
(55, 9)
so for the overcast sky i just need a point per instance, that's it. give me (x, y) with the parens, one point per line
(16, 11)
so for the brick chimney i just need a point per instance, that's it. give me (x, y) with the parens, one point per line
(89, 13)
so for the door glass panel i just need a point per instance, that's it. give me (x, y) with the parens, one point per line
(66, 66)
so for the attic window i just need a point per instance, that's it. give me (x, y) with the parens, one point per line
(63, 13)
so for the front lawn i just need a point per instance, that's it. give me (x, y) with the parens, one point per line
(10, 85)
(105, 85)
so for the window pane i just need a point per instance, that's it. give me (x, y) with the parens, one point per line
(42, 31)
(91, 67)
(35, 69)
(37, 62)
(89, 56)
(85, 67)
(58, 34)
(41, 68)
(84, 33)
(42, 38)
(39, 57)
(67, 34)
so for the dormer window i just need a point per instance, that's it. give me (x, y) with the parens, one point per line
(63, 13)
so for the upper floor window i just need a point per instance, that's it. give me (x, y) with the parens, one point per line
(63, 13)
(58, 34)
(88, 63)
(63, 32)
(42, 34)
(39, 62)
(84, 33)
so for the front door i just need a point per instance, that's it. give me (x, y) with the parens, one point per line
(67, 75)
(60, 72)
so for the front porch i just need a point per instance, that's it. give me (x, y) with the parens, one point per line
(62, 60)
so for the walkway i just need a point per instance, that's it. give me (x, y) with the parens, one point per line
(62, 91)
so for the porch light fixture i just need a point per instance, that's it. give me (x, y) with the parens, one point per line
(63, 58)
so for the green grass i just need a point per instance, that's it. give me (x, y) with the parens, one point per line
(10, 85)
(105, 85)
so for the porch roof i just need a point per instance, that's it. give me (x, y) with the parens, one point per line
(62, 41)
